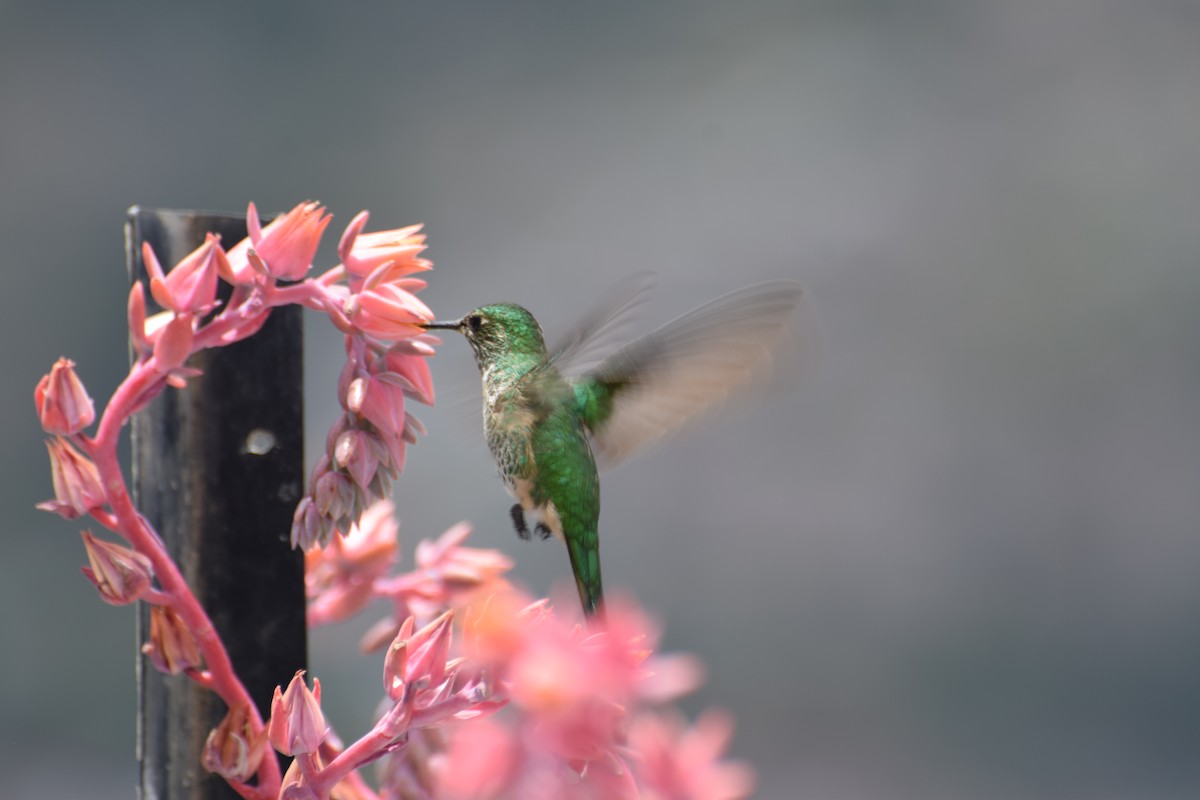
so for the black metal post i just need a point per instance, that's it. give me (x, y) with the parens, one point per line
(217, 470)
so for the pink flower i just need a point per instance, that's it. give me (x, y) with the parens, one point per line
(417, 658)
(387, 311)
(234, 748)
(77, 487)
(459, 568)
(288, 244)
(408, 371)
(354, 453)
(191, 287)
(482, 761)
(397, 250)
(171, 648)
(121, 575)
(297, 724)
(63, 405)
(678, 763)
(339, 578)
(380, 402)
(174, 343)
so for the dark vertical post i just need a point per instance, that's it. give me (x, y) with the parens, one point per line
(217, 470)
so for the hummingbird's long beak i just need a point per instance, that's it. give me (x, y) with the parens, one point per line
(453, 325)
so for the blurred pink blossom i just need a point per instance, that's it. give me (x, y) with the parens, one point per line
(679, 763)
(235, 747)
(339, 578)
(172, 647)
(121, 575)
(63, 405)
(77, 486)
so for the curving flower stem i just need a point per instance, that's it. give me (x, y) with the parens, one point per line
(143, 379)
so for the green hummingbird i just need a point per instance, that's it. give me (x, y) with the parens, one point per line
(548, 414)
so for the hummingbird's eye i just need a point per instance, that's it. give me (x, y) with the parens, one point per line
(474, 322)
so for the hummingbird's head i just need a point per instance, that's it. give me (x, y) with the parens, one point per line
(498, 331)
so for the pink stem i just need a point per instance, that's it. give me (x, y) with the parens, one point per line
(103, 449)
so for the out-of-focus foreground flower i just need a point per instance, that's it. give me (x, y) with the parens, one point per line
(585, 708)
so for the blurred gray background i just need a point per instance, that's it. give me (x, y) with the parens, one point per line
(959, 563)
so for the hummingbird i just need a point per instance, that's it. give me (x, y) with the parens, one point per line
(550, 414)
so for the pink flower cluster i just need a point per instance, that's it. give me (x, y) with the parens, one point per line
(584, 706)
(369, 296)
(487, 693)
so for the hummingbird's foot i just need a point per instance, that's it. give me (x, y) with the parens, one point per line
(542, 531)
(518, 518)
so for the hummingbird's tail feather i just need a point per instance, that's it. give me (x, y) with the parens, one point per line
(585, 565)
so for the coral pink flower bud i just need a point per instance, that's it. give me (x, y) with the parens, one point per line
(234, 748)
(171, 648)
(120, 574)
(333, 495)
(309, 527)
(686, 763)
(369, 549)
(482, 761)
(77, 487)
(63, 405)
(363, 253)
(354, 453)
(288, 244)
(191, 286)
(387, 312)
(419, 656)
(409, 371)
(382, 404)
(297, 724)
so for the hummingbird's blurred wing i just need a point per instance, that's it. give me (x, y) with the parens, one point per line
(687, 367)
(602, 330)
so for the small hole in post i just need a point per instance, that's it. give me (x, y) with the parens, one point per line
(259, 442)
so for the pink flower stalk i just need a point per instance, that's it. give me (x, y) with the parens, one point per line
(365, 452)
(297, 724)
(121, 575)
(77, 487)
(63, 405)
(678, 762)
